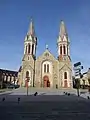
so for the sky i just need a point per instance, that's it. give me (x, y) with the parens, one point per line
(15, 18)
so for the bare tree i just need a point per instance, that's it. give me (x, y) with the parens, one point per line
(83, 83)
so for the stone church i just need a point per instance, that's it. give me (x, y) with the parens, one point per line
(46, 70)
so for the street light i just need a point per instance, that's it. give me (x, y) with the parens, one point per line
(78, 86)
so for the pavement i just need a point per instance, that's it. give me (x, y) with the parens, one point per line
(47, 105)
(48, 91)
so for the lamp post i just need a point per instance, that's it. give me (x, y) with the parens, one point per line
(78, 86)
(88, 75)
(27, 80)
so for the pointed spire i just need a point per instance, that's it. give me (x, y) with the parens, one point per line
(31, 30)
(62, 29)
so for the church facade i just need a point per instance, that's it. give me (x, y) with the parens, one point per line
(46, 70)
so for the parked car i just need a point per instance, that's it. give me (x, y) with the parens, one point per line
(12, 86)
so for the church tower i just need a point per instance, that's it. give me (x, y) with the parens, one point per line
(65, 65)
(63, 44)
(28, 61)
(30, 42)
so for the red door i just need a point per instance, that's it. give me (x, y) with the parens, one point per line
(65, 83)
(46, 81)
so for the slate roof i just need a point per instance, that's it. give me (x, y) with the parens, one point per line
(9, 72)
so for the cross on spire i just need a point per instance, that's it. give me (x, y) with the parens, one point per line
(46, 46)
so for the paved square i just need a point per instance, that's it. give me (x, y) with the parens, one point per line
(44, 107)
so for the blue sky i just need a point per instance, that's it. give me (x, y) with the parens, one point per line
(15, 17)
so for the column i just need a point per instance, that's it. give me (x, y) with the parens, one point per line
(24, 49)
(31, 49)
(62, 50)
(66, 49)
(59, 50)
(34, 50)
(8, 78)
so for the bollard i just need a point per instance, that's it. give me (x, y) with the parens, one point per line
(68, 94)
(18, 100)
(3, 99)
(87, 97)
(35, 93)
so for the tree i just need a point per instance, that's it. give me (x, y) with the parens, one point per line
(88, 75)
(83, 83)
(89, 81)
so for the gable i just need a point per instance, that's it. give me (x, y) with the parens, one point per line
(46, 56)
(65, 66)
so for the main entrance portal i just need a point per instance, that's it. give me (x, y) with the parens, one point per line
(46, 81)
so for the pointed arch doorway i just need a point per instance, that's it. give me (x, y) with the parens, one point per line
(46, 81)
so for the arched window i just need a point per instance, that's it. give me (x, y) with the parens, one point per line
(65, 75)
(44, 68)
(27, 74)
(32, 48)
(29, 48)
(60, 50)
(64, 49)
(47, 68)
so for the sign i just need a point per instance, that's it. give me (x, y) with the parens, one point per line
(77, 68)
(77, 77)
(77, 72)
(77, 64)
